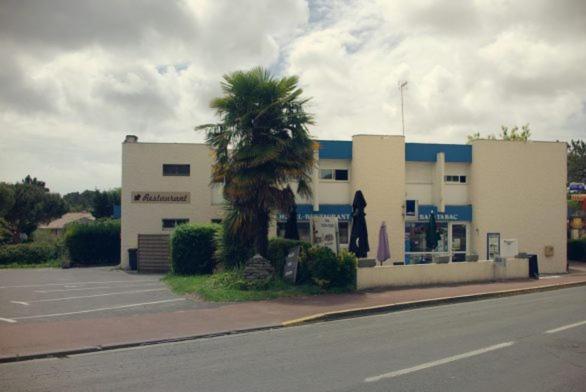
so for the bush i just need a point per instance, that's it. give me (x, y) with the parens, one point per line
(232, 250)
(577, 250)
(94, 243)
(278, 250)
(28, 253)
(348, 264)
(193, 247)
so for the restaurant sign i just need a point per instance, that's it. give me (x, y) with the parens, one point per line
(161, 197)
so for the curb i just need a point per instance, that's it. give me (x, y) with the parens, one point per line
(394, 307)
(315, 318)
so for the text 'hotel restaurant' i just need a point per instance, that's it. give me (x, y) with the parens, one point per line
(483, 194)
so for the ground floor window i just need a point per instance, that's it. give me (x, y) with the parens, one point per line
(304, 228)
(452, 244)
(171, 223)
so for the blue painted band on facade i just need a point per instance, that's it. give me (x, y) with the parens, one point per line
(451, 213)
(335, 149)
(427, 152)
(306, 212)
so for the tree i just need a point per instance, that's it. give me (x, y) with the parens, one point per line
(104, 201)
(26, 204)
(261, 145)
(80, 201)
(513, 134)
(577, 161)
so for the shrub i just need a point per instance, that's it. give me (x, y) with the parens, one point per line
(577, 250)
(193, 247)
(232, 250)
(278, 250)
(348, 263)
(94, 243)
(323, 265)
(28, 253)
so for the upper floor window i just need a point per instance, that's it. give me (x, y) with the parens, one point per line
(173, 169)
(172, 223)
(411, 208)
(455, 179)
(333, 174)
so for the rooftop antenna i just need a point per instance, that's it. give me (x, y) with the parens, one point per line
(402, 85)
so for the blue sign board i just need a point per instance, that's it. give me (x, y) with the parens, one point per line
(451, 213)
(306, 212)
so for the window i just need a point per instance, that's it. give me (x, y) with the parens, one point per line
(411, 208)
(302, 227)
(341, 175)
(455, 179)
(333, 174)
(169, 224)
(326, 174)
(217, 220)
(176, 169)
(343, 232)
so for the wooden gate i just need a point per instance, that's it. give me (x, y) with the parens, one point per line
(154, 253)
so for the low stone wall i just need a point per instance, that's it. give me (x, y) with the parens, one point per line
(433, 274)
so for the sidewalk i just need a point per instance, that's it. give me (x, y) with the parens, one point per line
(67, 336)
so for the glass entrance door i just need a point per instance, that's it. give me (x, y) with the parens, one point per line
(458, 241)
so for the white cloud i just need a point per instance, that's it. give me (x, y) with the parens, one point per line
(77, 76)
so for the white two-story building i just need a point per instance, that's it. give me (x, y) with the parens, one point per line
(482, 194)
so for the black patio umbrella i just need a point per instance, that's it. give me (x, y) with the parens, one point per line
(359, 234)
(431, 234)
(291, 231)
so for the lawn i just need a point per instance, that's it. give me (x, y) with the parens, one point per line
(226, 287)
(47, 264)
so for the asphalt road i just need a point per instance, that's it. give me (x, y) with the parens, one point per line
(534, 342)
(38, 295)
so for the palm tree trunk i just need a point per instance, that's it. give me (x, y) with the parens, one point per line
(261, 243)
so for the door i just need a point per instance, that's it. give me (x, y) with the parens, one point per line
(458, 241)
(153, 253)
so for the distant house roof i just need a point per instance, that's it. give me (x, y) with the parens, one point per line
(68, 218)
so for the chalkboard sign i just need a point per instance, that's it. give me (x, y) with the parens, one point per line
(291, 263)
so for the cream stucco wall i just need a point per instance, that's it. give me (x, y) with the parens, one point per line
(142, 170)
(432, 274)
(518, 189)
(378, 170)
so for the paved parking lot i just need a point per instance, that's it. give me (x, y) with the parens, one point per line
(37, 295)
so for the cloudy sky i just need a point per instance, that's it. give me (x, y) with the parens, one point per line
(76, 76)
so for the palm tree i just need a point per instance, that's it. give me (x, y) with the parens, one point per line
(261, 145)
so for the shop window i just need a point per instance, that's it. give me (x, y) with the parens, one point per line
(169, 224)
(172, 169)
(415, 238)
(455, 179)
(344, 231)
(333, 174)
(303, 228)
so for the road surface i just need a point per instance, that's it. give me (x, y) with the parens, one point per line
(534, 342)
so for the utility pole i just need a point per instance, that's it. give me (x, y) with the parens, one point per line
(402, 85)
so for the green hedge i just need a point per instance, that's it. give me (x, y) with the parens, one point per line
(94, 243)
(28, 253)
(577, 250)
(193, 247)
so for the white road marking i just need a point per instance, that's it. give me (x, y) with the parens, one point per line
(438, 362)
(20, 303)
(99, 309)
(85, 288)
(92, 296)
(78, 283)
(7, 320)
(566, 327)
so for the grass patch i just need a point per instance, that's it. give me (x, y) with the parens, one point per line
(46, 264)
(228, 287)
